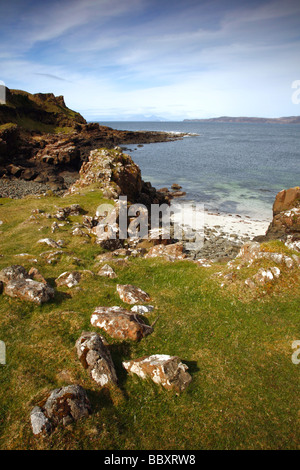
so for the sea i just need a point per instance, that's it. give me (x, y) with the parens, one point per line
(231, 168)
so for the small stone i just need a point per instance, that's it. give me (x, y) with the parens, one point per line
(36, 275)
(107, 271)
(69, 279)
(132, 294)
(142, 309)
(50, 242)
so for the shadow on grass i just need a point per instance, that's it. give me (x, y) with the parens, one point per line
(119, 353)
(193, 367)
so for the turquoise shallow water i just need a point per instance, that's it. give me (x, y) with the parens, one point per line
(230, 167)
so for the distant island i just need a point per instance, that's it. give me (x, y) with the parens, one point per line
(281, 120)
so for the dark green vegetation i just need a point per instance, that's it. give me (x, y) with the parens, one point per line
(244, 393)
(38, 112)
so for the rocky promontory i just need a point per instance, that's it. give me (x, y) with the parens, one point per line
(44, 142)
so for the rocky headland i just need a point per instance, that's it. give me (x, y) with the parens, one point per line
(43, 143)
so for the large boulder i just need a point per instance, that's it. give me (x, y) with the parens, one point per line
(94, 355)
(119, 323)
(63, 406)
(163, 369)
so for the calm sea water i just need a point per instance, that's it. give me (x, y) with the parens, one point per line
(231, 168)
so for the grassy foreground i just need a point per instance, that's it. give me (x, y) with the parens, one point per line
(245, 388)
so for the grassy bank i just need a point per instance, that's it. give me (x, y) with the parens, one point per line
(244, 392)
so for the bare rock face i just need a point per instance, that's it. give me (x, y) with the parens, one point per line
(171, 252)
(119, 323)
(286, 200)
(163, 369)
(131, 294)
(30, 290)
(63, 406)
(95, 357)
(286, 215)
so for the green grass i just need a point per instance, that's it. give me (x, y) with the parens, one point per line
(244, 392)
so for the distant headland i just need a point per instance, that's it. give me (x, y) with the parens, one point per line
(256, 120)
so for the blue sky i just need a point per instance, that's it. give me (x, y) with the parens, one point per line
(113, 59)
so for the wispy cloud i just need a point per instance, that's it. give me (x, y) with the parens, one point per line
(213, 57)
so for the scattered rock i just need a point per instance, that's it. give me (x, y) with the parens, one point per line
(107, 271)
(13, 273)
(119, 323)
(94, 355)
(171, 252)
(163, 369)
(50, 242)
(63, 406)
(78, 232)
(36, 275)
(142, 309)
(69, 279)
(28, 289)
(131, 294)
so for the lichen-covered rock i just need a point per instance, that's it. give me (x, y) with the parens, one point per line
(171, 252)
(39, 422)
(30, 290)
(94, 355)
(68, 279)
(142, 309)
(163, 369)
(50, 242)
(12, 273)
(266, 275)
(131, 294)
(107, 271)
(119, 323)
(63, 406)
